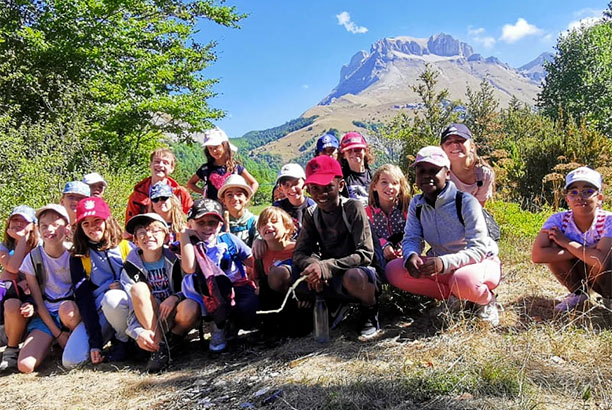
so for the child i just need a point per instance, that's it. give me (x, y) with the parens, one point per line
(219, 166)
(290, 180)
(226, 251)
(235, 195)
(575, 244)
(356, 160)
(73, 192)
(462, 260)
(468, 171)
(162, 165)
(388, 205)
(327, 144)
(152, 278)
(96, 183)
(97, 259)
(20, 237)
(335, 250)
(47, 271)
(164, 203)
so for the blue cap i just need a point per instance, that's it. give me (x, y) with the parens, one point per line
(160, 190)
(327, 141)
(76, 187)
(29, 214)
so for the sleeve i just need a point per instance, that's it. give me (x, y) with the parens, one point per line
(607, 230)
(306, 246)
(185, 198)
(3, 248)
(201, 172)
(485, 191)
(478, 244)
(239, 169)
(557, 220)
(26, 266)
(242, 250)
(413, 233)
(132, 208)
(84, 298)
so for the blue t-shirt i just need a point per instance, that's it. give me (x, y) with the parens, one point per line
(158, 280)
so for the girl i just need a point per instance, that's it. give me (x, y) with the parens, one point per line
(96, 262)
(388, 205)
(20, 237)
(468, 171)
(167, 205)
(575, 244)
(462, 261)
(235, 195)
(327, 144)
(355, 160)
(219, 166)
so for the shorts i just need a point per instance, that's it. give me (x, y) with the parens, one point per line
(38, 324)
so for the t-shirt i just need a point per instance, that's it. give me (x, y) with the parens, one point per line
(482, 192)
(275, 258)
(158, 280)
(214, 177)
(245, 227)
(600, 228)
(296, 212)
(58, 284)
(357, 185)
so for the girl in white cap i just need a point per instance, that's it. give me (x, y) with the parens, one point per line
(575, 244)
(219, 166)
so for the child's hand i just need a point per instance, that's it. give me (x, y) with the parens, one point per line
(26, 310)
(23, 284)
(556, 236)
(413, 265)
(398, 252)
(62, 339)
(22, 234)
(314, 273)
(167, 306)
(146, 341)
(96, 356)
(115, 285)
(259, 248)
(432, 266)
(389, 253)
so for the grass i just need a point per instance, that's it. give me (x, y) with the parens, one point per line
(533, 360)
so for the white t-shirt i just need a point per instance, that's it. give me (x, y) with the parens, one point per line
(59, 283)
(600, 228)
(482, 192)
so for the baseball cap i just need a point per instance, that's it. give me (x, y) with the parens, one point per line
(76, 187)
(28, 213)
(93, 206)
(217, 136)
(456, 129)
(291, 171)
(235, 181)
(58, 209)
(327, 141)
(203, 207)
(160, 189)
(93, 178)
(352, 140)
(322, 170)
(432, 155)
(584, 174)
(143, 219)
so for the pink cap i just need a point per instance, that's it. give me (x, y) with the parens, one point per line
(432, 155)
(322, 170)
(352, 140)
(92, 206)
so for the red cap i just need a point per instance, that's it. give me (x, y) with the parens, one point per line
(92, 206)
(322, 170)
(352, 140)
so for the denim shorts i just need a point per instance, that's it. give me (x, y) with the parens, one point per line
(38, 324)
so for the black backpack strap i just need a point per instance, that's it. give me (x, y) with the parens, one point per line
(459, 206)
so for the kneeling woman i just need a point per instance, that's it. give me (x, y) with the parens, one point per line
(575, 244)
(462, 261)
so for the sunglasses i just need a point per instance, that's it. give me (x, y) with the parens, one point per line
(584, 194)
(160, 198)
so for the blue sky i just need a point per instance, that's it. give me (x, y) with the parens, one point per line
(287, 55)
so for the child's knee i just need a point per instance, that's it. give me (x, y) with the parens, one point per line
(12, 307)
(395, 272)
(354, 278)
(27, 364)
(69, 313)
(115, 299)
(140, 291)
(279, 278)
(187, 313)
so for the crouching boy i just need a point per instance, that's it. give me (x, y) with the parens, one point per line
(152, 278)
(335, 250)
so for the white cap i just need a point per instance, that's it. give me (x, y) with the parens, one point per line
(292, 171)
(584, 174)
(58, 209)
(217, 136)
(432, 155)
(93, 178)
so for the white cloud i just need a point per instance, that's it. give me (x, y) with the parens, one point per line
(587, 12)
(305, 86)
(513, 33)
(476, 34)
(587, 22)
(344, 19)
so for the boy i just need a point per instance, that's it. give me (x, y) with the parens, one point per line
(96, 183)
(335, 250)
(227, 252)
(235, 195)
(151, 277)
(73, 192)
(162, 165)
(290, 181)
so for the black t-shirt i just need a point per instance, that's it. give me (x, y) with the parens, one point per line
(214, 177)
(296, 212)
(357, 184)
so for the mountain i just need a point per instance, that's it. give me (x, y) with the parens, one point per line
(376, 84)
(535, 69)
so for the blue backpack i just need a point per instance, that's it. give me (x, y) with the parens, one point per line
(231, 255)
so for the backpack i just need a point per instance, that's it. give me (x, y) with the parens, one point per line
(42, 275)
(493, 230)
(378, 252)
(124, 248)
(213, 285)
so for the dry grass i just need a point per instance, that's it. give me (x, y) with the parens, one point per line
(531, 361)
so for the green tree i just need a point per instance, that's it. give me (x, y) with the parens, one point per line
(579, 79)
(482, 110)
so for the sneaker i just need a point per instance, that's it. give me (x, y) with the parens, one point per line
(9, 359)
(370, 326)
(118, 351)
(159, 360)
(217, 339)
(571, 302)
(338, 314)
(489, 312)
(175, 342)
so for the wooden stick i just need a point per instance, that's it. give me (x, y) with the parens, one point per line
(290, 291)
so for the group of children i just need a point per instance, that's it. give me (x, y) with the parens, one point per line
(73, 276)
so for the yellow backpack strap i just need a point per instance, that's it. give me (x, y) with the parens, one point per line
(86, 261)
(124, 248)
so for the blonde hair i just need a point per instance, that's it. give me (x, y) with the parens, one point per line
(110, 239)
(403, 196)
(274, 212)
(177, 217)
(163, 152)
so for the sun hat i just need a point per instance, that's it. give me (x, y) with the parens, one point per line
(76, 187)
(584, 174)
(93, 178)
(322, 170)
(352, 140)
(58, 209)
(143, 219)
(92, 206)
(291, 171)
(203, 207)
(235, 181)
(327, 141)
(459, 130)
(432, 155)
(28, 213)
(217, 136)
